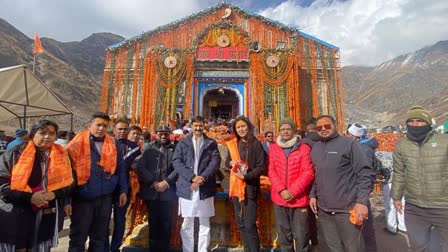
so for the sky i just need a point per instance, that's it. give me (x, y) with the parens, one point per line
(368, 32)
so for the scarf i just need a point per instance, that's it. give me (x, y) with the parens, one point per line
(237, 186)
(418, 133)
(79, 151)
(59, 172)
(288, 144)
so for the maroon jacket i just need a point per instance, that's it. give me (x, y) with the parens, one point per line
(294, 172)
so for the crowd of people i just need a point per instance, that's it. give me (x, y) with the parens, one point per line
(320, 183)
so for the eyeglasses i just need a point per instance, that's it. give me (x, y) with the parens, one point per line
(325, 126)
(163, 134)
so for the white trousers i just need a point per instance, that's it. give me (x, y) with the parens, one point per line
(187, 234)
(394, 219)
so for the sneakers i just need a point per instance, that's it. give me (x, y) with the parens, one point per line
(394, 232)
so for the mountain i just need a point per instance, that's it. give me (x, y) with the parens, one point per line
(73, 70)
(381, 95)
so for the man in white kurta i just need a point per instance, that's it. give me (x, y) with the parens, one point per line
(196, 159)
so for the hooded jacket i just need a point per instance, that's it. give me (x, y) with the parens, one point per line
(343, 176)
(369, 146)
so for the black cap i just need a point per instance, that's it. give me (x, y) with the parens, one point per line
(163, 128)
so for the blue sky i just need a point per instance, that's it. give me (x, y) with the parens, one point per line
(368, 32)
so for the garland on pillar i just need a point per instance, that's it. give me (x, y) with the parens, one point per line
(135, 81)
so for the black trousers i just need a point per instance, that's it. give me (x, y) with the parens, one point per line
(160, 218)
(292, 225)
(368, 232)
(90, 218)
(421, 223)
(246, 218)
(338, 234)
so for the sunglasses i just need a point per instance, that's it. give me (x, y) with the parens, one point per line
(325, 126)
(163, 134)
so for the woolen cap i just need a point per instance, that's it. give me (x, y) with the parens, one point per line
(288, 121)
(357, 130)
(21, 132)
(418, 112)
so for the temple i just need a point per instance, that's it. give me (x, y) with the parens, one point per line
(223, 62)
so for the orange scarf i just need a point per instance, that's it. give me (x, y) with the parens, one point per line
(237, 185)
(59, 171)
(79, 151)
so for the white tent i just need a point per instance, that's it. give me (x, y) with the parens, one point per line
(23, 95)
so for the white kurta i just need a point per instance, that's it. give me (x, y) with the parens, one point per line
(196, 207)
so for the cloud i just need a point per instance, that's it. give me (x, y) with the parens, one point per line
(76, 20)
(368, 32)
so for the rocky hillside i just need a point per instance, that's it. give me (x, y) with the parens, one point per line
(381, 94)
(73, 70)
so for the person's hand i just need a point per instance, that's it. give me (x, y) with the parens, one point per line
(361, 212)
(161, 186)
(313, 205)
(198, 180)
(122, 200)
(39, 199)
(50, 196)
(233, 162)
(286, 195)
(194, 186)
(398, 206)
(68, 210)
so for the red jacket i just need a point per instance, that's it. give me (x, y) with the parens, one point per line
(295, 173)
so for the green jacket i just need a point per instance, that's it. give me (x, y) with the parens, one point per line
(421, 171)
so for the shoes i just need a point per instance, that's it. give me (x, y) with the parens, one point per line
(402, 231)
(389, 231)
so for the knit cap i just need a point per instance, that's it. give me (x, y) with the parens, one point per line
(21, 132)
(418, 112)
(288, 121)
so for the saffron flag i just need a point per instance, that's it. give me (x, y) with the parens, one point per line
(37, 45)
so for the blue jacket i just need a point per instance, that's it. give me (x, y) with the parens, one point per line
(127, 152)
(209, 162)
(100, 182)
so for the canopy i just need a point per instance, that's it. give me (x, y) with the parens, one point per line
(23, 95)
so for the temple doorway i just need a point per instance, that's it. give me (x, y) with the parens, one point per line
(220, 102)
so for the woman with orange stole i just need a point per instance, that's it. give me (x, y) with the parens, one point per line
(34, 179)
(247, 162)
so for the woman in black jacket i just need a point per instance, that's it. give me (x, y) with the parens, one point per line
(251, 154)
(34, 178)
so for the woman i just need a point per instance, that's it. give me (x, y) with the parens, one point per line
(34, 178)
(247, 165)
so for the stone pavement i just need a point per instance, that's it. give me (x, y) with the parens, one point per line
(385, 241)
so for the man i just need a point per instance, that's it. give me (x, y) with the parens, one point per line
(311, 135)
(127, 152)
(340, 193)
(157, 179)
(135, 132)
(291, 174)
(368, 144)
(196, 160)
(62, 138)
(99, 173)
(22, 136)
(420, 173)
(269, 139)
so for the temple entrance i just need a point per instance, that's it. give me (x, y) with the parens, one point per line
(220, 102)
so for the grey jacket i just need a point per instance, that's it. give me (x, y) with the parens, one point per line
(421, 171)
(343, 175)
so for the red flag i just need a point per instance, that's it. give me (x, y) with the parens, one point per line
(37, 45)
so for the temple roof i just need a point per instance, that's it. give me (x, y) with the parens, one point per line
(213, 9)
